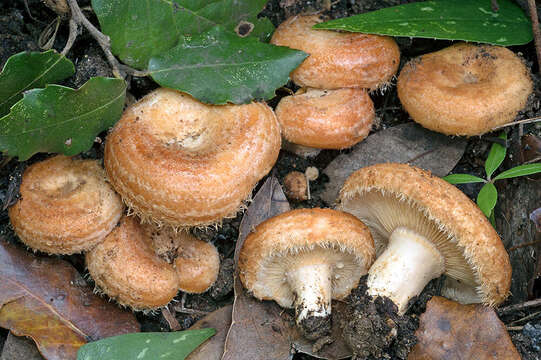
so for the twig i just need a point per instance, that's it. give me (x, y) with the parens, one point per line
(119, 70)
(515, 328)
(74, 30)
(535, 29)
(171, 320)
(524, 305)
(528, 317)
(182, 309)
(525, 121)
(512, 248)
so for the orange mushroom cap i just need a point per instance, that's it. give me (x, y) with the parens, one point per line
(338, 59)
(464, 89)
(66, 206)
(125, 267)
(178, 161)
(326, 119)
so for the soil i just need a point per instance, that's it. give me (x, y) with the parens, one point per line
(390, 336)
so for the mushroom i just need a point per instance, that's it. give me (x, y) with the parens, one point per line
(464, 89)
(338, 59)
(424, 227)
(125, 267)
(177, 161)
(66, 206)
(325, 119)
(304, 258)
(197, 262)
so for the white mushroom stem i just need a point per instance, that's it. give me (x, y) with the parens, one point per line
(401, 272)
(311, 281)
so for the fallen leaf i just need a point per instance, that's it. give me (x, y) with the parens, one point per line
(175, 345)
(47, 300)
(19, 348)
(261, 329)
(449, 330)
(406, 143)
(530, 152)
(213, 348)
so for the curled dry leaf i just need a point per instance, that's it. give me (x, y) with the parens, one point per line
(47, 300)
(213, 348)
(406, 143)
(449, 330)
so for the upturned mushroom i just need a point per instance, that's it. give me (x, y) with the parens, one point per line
(304, 258)
(464, 89)
(338, 59)
(177, 161)
(423, 228)
(66, 206)
(325, 119)
(126, 268)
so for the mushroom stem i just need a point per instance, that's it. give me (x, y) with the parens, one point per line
(312, 284)
(408, 263)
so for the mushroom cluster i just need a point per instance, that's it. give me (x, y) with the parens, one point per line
(332, 109)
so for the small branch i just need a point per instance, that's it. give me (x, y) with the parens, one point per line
(536, 33)
(521, 306)
(74, 29)
(525, 121)
(515, 328)
(182, 309)
(512, 248)
(171, 320)
(526, 318)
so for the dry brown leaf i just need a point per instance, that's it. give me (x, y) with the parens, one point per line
(449, 330)
(213, 348)
(47, 300)
(406, 143)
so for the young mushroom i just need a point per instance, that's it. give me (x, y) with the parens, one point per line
(423, 228)
(338, 59)
(304, 258)
(178, 161)
(326, 119)
(197, 262)
(465, 89)
(125, 267)
(66, 206)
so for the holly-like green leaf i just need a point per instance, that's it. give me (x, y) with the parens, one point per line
(462, 179)
(61, 119)
(141, 29)
(29, 70)
(219, 67)
(470, 20)
(487, 198)
(495, 156)
(141, 346)
(521, 170)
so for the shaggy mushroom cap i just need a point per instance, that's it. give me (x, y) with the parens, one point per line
(424, 227)
(197, 262)
(338, 59)
(304, 258)
(178, 161)
(326, 119)
(464, 89)
(66, 206)
(125, 267)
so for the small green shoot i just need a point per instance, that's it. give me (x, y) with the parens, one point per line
(488, 195)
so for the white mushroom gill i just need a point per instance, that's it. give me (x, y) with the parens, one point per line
(412, 249)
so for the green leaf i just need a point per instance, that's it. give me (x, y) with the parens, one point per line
(29, 70)
(142, 346)
(470, 20)
(219, 67)
(495, 156)
(462, 179)
(61, 119)
(141, 29)
(487, 197)
(521, 170)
